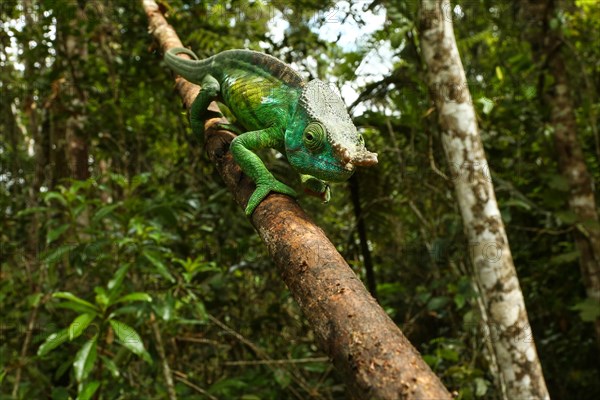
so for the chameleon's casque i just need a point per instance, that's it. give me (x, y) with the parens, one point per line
(306, 121)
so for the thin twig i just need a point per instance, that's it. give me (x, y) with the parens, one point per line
(25, 348)
(432, 160)
(161, 354)
(261, 353)
(180, 376)
(542, 230)
(279, 362)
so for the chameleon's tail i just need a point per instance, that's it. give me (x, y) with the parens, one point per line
(192, 70)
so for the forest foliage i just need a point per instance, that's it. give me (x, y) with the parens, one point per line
(137, 255)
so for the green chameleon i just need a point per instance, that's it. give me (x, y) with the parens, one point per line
(306, 121)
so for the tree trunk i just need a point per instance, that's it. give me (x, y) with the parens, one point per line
(547, 45)
(520, 370)
(362, 235)
(32, 110)
(374, 358)
(76, 53)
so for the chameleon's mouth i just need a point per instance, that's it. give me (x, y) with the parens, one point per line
(331, 170)
(364, 158)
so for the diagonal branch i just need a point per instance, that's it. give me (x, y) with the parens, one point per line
(373, 356)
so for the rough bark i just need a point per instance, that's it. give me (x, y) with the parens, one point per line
(547, 47)
(520, 369)
(371, 353)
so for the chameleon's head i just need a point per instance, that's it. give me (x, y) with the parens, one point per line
(322, 141)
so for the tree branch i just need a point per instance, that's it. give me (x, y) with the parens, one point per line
(371, 353)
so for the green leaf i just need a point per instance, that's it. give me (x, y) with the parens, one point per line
(430, 359)
(517, 203)
(138, 180)
(589, 310)
(62, 368)
(567, 217)
(130, 339)
(437, 303)
(164, 309)
(70, 296)
(559, 183)
(31, 210)
(34, 299)
(85, 359)
(103, 212)
(459, 300)
(131, 308)
(488, 104)
(499, 73)
(282, 377)
(57, 253)
(53, 341)
(55, 196)
(119, 180)
(225, 386)
(530, 92)
(102, 298)
(80, 324)
(201, 310)
(565, 258)
(481, 387)
(158, 264)
(319, 367)
(54, 234)
(448, 354)
(87, 390)
(111, 366)
(60, 393)
(115, 282)
(80, 308)
(136, 296)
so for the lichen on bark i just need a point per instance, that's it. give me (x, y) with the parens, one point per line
(520, 370)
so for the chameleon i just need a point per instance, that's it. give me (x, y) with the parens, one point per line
(306, 121)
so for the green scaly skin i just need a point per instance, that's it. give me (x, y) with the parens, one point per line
(264, 95)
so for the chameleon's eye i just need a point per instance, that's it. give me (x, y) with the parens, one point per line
(314, 137)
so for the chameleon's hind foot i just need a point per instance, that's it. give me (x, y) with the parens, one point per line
(316, 187)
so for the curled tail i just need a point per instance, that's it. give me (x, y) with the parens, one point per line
(192, 70)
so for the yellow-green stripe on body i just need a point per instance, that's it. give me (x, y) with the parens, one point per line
(258, 101)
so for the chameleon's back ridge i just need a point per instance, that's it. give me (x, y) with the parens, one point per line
(236, 58)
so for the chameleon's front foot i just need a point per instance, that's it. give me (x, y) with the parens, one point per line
(263, 188)
(316, 187)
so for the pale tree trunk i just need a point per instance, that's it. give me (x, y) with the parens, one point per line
(547, 46)
(520, 370)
